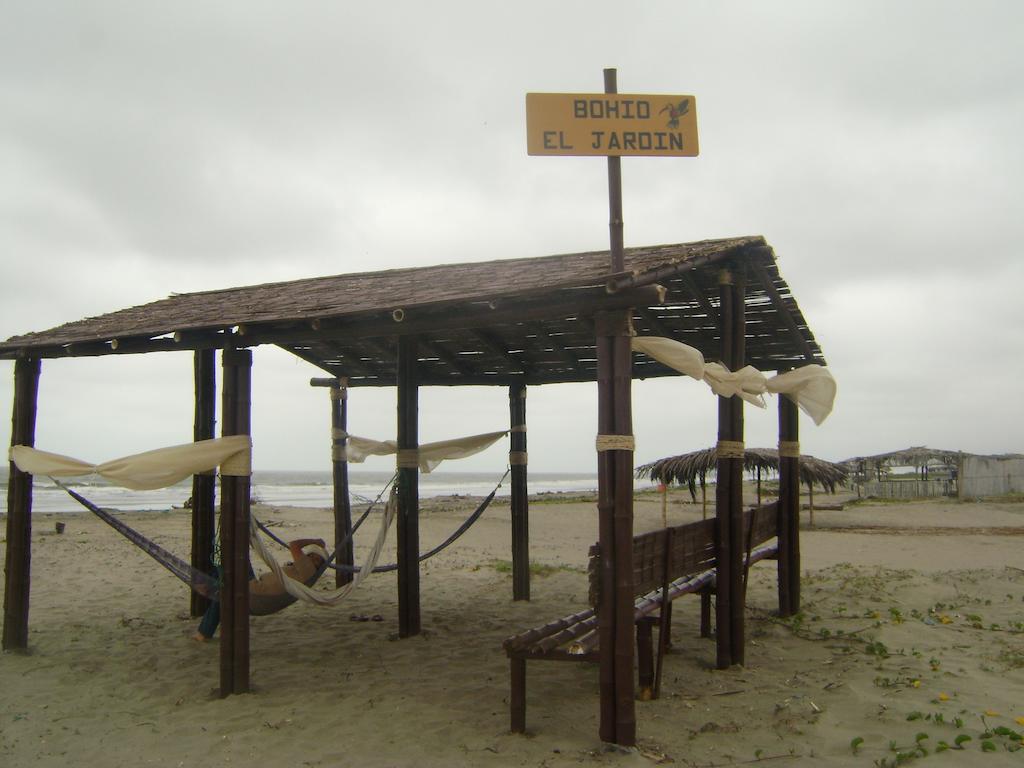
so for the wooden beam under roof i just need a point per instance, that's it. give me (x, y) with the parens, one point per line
(346, 364)
(652, 320)
(556, 345)
(698, 295)
(438, 350)
(780, 306)
(496, 345)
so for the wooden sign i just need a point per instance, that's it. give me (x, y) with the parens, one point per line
(614, 124)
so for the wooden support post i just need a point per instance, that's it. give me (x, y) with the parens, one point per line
(665, 614)
(705, 613)
(234, 529)
(343, 545)
(408, 490)
(729, 547)
(624, 643)
(789, 507)
(17, 565)
(738, 542)
(615, 487)
(520, 495)
(606, 542)
(723, 521)
(645, 658)
(517, 699)
(704, 496)
(204, 485)
(615, 512)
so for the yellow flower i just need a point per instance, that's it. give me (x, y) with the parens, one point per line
(991, 713)
(945, 619)
(916, 683)
(1019, 721)
(943, 697)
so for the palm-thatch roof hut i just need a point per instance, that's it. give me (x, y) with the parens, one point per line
(690, 468)
(920, 457)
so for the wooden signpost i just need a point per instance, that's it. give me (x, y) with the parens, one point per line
(611, 124)
(614, 125)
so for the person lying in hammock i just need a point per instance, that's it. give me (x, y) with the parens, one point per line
(302, 568)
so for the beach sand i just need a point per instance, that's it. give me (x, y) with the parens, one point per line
(911, 624)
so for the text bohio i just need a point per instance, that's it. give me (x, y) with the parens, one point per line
(608, 109)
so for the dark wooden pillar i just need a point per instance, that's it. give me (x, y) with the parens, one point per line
(343, 545)
(204, 485)
(339, 467)
(234, 529)
(615, 512)
(408, 489)
(789, 507)
(17, 566)
(729, 490)
(520, 494)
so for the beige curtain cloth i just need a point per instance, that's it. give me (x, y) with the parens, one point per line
(145, 471)
(326, 598)
(812, 387)
(430, 454)
(747, 383)
(677, 356)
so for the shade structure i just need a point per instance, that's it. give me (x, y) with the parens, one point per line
(514, 321)
(688, 468)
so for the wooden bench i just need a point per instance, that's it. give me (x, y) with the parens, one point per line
(667, 564)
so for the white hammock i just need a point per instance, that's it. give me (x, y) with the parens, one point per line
(331, 598)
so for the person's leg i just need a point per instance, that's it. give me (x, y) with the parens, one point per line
(211, 618)
(209, 622)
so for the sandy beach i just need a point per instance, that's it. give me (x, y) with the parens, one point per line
(912, 633)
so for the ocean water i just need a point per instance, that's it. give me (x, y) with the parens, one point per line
(289, 488)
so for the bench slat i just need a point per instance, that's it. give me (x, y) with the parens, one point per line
(693, 550)
(579, 630)
(531, 636)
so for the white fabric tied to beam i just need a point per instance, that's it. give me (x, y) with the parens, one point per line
(430, 455)
(160, 468)
(811, 387)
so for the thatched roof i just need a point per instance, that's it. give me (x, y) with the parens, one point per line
(916, 456)
(494, 322)
(688, 468)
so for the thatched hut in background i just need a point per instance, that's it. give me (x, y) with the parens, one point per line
(922, 472)
(690, 468)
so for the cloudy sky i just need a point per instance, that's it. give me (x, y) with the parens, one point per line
(149, 148)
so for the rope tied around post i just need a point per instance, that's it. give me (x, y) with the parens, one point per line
(408, 458)
(789, 449)
(615, 443)
(730, 449)
(517, 458)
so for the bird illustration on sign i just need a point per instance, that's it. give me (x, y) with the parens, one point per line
(675, 111)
